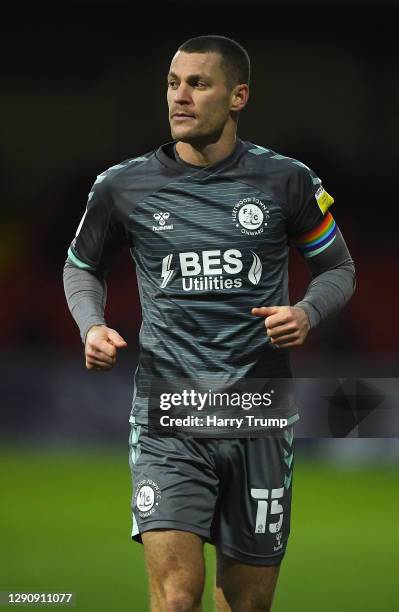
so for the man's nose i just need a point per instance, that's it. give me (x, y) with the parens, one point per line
(182, 94)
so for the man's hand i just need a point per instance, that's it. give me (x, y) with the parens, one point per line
(287, 326)
(100, 347)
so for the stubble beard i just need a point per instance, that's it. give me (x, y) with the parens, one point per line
(190, 135)
(196, 138)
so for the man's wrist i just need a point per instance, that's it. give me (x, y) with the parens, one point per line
(312, 314)
(95, 325)
(92, 326)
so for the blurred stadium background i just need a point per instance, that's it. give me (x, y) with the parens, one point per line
(82, 88)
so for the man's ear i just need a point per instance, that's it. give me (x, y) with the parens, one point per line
(239, 97)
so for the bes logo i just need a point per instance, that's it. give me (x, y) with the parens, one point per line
(251, 215)
(211, 270)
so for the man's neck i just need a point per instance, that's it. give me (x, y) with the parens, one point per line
(206, 155)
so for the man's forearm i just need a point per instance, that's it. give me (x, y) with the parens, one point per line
(329, 292)
(86, 295)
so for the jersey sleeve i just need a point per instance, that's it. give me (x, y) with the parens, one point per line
(310, 225)
(100, 234)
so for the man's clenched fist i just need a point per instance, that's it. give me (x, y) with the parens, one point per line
(287, 326)
(100, 347)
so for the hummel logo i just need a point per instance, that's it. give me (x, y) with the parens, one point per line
(161, 217)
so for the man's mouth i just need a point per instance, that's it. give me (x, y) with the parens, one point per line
(180, 116)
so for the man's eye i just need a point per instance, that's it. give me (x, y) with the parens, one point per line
(201, 84)
(171, 83)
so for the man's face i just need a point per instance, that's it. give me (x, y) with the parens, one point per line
(198, 96)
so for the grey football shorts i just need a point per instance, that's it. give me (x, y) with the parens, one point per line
(233, 493)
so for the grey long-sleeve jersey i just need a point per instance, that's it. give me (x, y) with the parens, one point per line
(209, 244)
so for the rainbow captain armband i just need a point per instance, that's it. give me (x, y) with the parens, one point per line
(318, 239)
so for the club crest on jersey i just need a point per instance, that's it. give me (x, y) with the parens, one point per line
(162, 218)
(251, 216)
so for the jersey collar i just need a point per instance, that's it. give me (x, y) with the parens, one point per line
(183, 168)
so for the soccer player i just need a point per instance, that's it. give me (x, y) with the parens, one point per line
(209, 219)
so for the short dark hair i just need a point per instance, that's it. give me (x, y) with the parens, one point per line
(235, 60)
